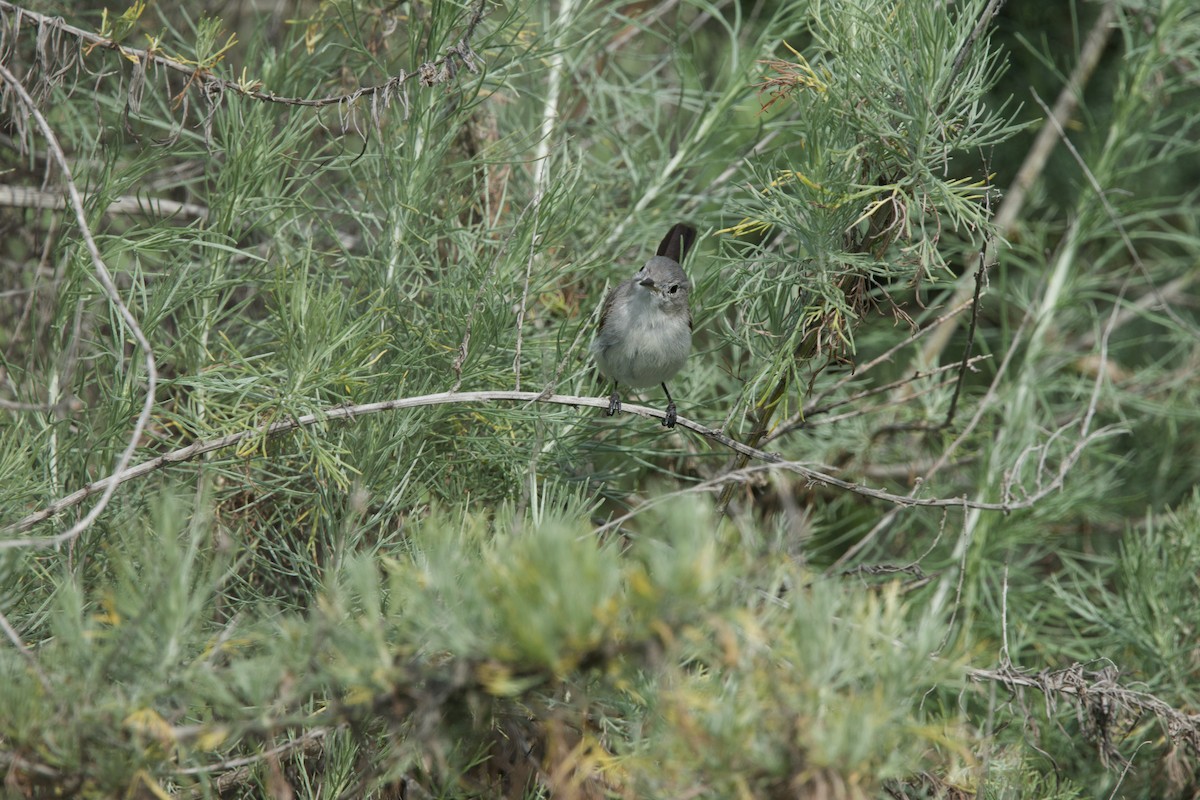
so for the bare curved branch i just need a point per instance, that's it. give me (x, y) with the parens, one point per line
(110, 289)
(771, 460)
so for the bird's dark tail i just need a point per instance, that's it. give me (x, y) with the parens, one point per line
(678, 241)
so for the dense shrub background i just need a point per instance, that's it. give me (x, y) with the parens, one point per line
(904, 289)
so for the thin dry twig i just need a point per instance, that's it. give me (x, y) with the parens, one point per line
(439, 70)
(237, 771)
(901, 502)
(983, 408)
(772, 460)
(886, 355)
(813, 406)
(981, 25)
(1101, 700)
(805, 420)
(980, 279)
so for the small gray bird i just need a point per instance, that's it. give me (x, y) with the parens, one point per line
(645, 331)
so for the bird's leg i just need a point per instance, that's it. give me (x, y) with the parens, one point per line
(669, 420)
(614, 401)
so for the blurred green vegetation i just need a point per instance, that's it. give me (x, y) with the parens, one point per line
(530, 599)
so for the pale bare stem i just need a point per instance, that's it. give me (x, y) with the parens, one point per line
(541, 164)
(963, 547)
(1174, 290)
(1125, 769)
(743, 475)
(114, 296)
(884, 522)
(1014, 475)
(541, 158)
(1046, 479)
(1113, 218)
(29, 197)
(1033, 165)
(521, 310)
(11, 405)
(1006, 484)
(985, 19)
(936, 540)
(217, 647)
(26, 653)
(879, 527)
(1005, 661)
(25, 765)
(1042, 468)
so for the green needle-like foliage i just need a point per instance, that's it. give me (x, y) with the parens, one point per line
(339, 563)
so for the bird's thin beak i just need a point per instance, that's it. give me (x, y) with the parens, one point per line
(647, 282)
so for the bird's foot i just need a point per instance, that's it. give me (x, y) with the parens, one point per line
(614, 404)
(669, 419)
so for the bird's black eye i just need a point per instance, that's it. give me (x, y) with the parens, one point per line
(674, 288)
